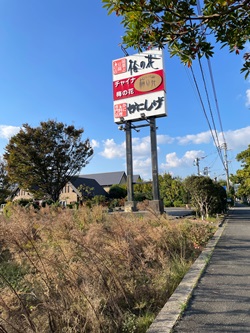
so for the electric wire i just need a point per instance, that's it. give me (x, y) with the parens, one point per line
(212, 80)
(205, 113)
(215, 99)
(218, 146)
(210, 109)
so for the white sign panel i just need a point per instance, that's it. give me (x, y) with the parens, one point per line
(139, 87)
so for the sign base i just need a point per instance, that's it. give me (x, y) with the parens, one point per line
(157, 206)
(130, 206)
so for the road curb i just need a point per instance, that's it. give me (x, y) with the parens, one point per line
(172, 310)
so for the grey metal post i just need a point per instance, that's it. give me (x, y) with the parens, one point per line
(129, 160)
(156, 193)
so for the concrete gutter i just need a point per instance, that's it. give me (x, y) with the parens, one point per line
(172, 310)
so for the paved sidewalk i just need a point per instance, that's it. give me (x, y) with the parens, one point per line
(217, 294)
(221, 300)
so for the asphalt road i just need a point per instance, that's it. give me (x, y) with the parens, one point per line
(221, 300)
(172, 211)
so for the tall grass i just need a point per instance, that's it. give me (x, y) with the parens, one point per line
(76, 271)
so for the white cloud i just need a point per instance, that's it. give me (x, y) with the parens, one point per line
(113, 150)
(142, 167)
(164, 139)
(94, 143)
(6, 132)
(238, 139)
(203, 137)
(173, 161)
(248, 97)
(141, 146)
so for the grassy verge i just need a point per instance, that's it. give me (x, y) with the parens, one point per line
(87, 271)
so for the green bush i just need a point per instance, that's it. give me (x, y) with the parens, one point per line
(99, 200)
(178, 203)
(11, 274)
(138, 196)
(7, 209)
(117, 192)
(167, 203)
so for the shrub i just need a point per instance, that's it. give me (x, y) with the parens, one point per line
(167, 203)
(117, 192)
(178, 203)
(7, 209)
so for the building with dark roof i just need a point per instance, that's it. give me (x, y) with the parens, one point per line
(72, 192)
(107, 179)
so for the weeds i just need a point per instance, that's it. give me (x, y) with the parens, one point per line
(77, 271)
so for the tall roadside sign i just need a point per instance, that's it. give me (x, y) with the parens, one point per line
(139, 93)
(139, 87)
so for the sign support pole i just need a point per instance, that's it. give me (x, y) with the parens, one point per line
(129, 204)
(156, 204)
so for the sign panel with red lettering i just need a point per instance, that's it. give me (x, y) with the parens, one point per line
(139, 87)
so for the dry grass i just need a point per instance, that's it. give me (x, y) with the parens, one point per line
(84, 270)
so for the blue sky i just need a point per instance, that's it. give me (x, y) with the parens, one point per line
(55, 63)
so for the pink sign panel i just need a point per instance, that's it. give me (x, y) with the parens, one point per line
(138, 85)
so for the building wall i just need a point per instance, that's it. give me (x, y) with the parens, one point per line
(68, 195)
(21, 194)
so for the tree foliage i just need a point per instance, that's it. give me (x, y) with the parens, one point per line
(171, 189)
(117, 192)
(184, 26)
(242, 176)
(5, 185)
(143, 191)
(207, 196)
(44, 158)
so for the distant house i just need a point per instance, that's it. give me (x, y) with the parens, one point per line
(79, 187)
(99, 183)
(136, 179)
(107, 179)
(18, 194)
(72, 192)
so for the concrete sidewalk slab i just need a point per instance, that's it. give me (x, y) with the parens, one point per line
(174, 307)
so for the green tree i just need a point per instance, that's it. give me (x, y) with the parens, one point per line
(171, 189)
(242, 176)
(207, 196)
(5, 185)
(117, 192)
(143, 191)
(44, 158)
(184, 26)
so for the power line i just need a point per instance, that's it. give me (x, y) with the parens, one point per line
(206, 116)
(224, 145)
(209, 104)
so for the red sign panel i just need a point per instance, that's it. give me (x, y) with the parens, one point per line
(119, 66)
(138, 85)
(120, 110)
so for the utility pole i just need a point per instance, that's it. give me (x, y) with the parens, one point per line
(197, 163)
(224, 146)
(205, 171)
